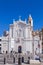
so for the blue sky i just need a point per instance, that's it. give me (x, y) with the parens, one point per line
(12, 9)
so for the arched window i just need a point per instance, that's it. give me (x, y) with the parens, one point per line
(19, 33)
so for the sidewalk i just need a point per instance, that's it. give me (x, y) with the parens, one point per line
(23, 64)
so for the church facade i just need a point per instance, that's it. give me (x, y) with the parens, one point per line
(21, 34)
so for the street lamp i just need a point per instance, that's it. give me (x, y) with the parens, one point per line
(19, 57)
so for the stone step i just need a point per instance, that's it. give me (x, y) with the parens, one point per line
(9, 64)
(9, 61)
(1, 62)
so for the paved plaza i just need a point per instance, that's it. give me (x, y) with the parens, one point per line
(10, 59)
(23, 64)
(27, 64)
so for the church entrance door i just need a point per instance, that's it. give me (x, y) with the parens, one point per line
(19, 49)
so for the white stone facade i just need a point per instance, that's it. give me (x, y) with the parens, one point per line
(22, 34)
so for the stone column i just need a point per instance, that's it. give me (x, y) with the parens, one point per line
(33, 45)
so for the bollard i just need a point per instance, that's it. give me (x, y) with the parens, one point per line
(22, 59)
(19, 61)
(28, 60)
(14, 60)
(4, 61)
(19, 58)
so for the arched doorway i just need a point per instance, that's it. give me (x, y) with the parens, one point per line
(19, 49)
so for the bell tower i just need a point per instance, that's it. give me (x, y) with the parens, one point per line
(30, 21)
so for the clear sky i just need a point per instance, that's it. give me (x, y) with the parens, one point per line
(12, 9)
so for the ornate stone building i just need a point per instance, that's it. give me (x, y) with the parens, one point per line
(21, 34)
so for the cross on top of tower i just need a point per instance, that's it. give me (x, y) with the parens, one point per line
(30, 15)
(19, 18)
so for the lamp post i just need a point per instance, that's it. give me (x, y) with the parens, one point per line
(19, 57)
